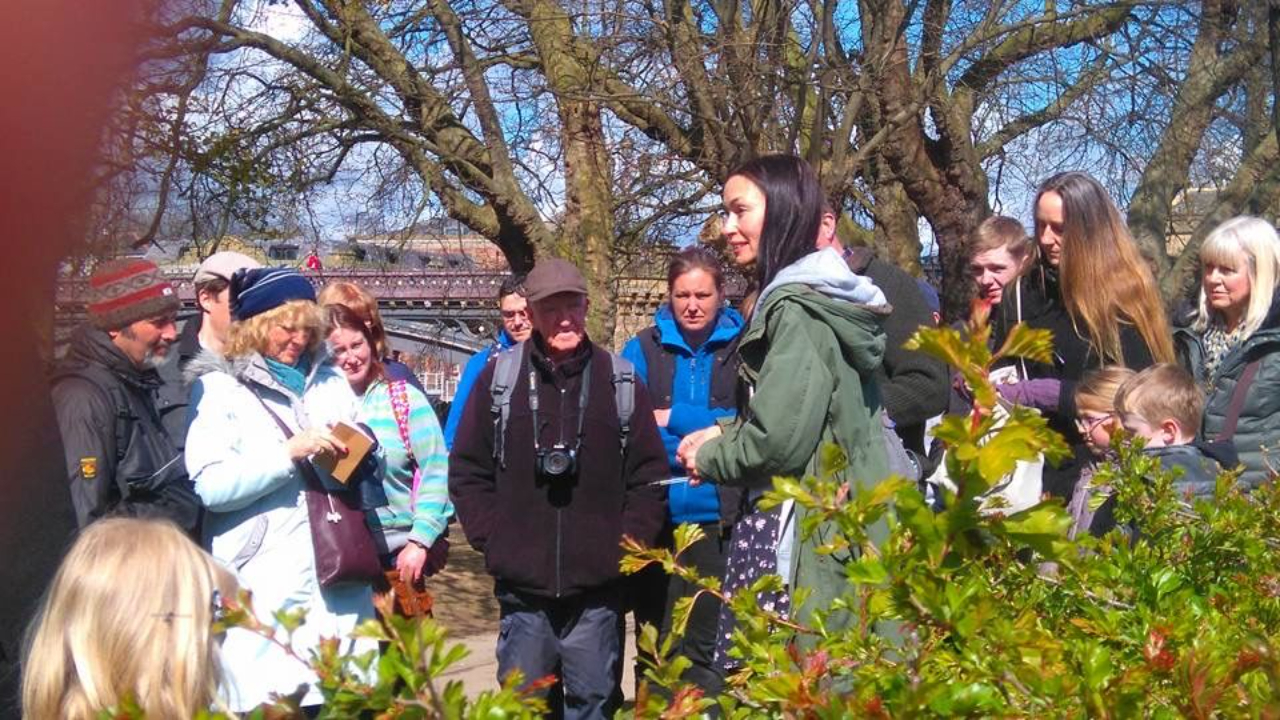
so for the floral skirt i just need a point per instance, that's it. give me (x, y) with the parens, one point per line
(753, 554)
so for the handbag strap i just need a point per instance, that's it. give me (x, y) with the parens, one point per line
(400, 408)
(308, 472)
(1238, 396)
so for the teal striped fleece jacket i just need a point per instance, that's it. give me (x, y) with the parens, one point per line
(400, 523)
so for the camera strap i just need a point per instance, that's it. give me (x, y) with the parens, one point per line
(583, 395)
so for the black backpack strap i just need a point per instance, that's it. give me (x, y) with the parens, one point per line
(661, 367)
(506, 375)
(624, 395)
(1238, 397)
(115, 396)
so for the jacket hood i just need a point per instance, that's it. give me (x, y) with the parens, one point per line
(91, 345)
(505, 340)
(857, 327)
(252, 368)
(1272, 321)
(729, 323)
(826, 272)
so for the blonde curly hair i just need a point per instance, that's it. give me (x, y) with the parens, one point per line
(250, 336)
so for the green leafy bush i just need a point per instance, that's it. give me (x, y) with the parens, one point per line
(959, 613)
(994, 615)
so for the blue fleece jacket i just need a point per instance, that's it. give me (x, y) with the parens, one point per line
(690, 398)
(469, 374)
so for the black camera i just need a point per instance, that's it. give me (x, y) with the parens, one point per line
(557, 462)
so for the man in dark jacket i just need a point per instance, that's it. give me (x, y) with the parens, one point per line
(550, 532)
(914, 386)
(121, 423)
(515, 328)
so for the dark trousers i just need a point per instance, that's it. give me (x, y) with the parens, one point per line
(655, 594)
(575, 638)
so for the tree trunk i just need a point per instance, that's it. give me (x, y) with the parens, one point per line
(897, 231)
(586, 226)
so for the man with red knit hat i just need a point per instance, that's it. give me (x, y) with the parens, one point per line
(120, 430)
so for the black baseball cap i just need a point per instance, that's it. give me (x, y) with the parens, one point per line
(552, 276)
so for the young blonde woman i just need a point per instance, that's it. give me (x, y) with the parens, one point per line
(1092, 289)
(1231, 345)
(130, 613)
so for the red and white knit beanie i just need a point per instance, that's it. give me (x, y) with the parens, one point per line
(124, 291)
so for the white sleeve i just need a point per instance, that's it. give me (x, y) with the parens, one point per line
(235, 452)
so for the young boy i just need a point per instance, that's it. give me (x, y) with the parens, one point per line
(1163, 406)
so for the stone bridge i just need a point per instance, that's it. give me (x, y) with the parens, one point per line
(439, 317)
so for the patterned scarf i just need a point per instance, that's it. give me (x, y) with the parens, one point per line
(1218, 344)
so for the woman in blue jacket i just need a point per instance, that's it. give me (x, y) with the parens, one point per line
(688, 361)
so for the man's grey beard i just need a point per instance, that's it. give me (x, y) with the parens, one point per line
(152, 361)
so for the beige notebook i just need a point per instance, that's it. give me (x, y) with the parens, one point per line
(358, 446)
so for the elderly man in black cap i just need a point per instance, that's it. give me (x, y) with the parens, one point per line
(122, 425)
(549, 470)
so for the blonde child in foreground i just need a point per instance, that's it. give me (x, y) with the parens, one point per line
(130, 613)
(1096, 419)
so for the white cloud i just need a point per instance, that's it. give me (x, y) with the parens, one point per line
(282, 21)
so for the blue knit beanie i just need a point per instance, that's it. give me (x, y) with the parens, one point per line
(257, 290)
(930, 295)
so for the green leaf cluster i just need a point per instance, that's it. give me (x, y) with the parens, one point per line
(962, 612)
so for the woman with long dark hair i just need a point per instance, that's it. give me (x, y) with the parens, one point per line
(1094, 291)
(808, 357)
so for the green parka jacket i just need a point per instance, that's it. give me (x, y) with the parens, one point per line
(810, 361)
(1259, 423)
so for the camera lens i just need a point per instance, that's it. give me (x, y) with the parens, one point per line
(557, 462)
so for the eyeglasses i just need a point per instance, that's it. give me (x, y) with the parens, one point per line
(1088, 424)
